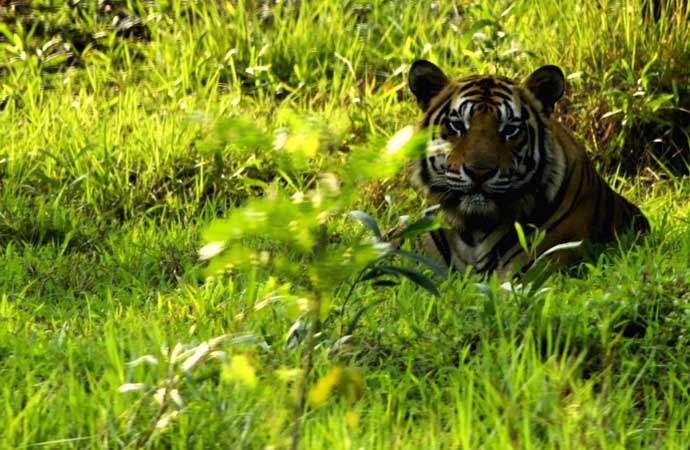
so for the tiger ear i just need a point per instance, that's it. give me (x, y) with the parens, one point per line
(426, 80)
(547, 83)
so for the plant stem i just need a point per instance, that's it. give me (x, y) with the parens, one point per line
(307, 363)
(347, 298)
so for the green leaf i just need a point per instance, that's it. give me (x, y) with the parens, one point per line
(368, 222)
(77, 182)
(537, 275)
(219, 161)
(485, 289)
(372, 274)
(414, 276)
(423, 225)
(56, 59)
(426, 261)
(384, 283)
(358, 315)
(521, 236)
(507, 10)
(479, 25)
(5, 30)
(556, 248)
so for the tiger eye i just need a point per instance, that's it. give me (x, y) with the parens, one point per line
(456, 126)
(511, 130)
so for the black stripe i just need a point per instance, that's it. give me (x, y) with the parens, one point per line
(506, 243)
(491, 265)
(432, 161)
(482, 84)
(471, 93)
(441, 243)
(541, 139)
(424, 171)
(529, 151)
(441, 116)
(509, 105)
(558, 222)
(551, 207)
(466, 237)
(515, 252)
(601, 190)
(609, 207)
(499, 94)
(597, 211)
(560, 195)
(495, 252)
(570, 208)
(461, 106)
(439, 110)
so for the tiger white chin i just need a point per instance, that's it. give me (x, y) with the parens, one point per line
(476, 204)
(484, 212)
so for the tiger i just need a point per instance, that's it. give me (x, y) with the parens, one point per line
(496, 156)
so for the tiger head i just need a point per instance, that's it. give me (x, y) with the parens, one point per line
(490, 156)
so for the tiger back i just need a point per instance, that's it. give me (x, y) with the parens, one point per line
(495, 157)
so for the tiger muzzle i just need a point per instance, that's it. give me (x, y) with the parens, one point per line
(479, 173)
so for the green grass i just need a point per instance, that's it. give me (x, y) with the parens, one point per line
(120, 146)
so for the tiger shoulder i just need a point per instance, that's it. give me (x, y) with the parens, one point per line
(496, 156)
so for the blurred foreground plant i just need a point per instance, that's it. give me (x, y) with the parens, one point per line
(290, 233)
(289, 236)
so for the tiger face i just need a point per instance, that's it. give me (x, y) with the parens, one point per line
(488, 156)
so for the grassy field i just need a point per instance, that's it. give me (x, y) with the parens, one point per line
(130, 128)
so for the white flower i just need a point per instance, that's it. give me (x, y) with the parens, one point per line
(199, 353)
(399, 139)
(149, 359)
(129, 387)
(211, 249)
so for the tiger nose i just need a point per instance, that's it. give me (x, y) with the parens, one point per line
(479, 173)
